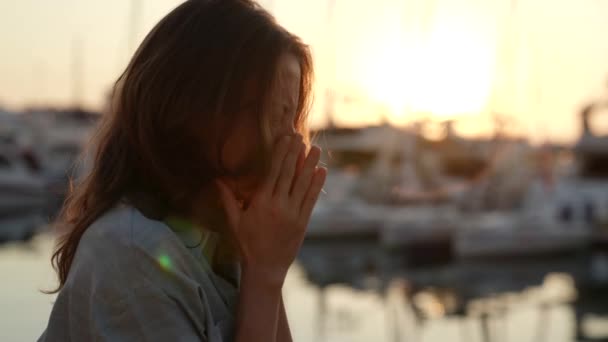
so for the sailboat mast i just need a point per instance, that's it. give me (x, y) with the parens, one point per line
(270, 6)
(503, 85)
(134, 23)
(77, 73)
(330, 98)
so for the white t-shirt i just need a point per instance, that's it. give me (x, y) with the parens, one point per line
(135, 279)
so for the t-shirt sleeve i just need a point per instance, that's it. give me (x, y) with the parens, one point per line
(146, 314)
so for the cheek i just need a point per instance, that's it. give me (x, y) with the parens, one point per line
(239, 148)
(235, 153)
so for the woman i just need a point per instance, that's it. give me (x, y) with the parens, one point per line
(200, 190)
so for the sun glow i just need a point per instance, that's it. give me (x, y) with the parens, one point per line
(448, 73)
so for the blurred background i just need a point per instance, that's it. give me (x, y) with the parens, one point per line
(466, 142)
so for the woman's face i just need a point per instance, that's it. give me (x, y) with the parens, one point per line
(281, 116)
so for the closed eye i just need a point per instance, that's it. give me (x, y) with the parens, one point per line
(284, 114)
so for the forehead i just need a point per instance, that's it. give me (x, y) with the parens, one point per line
(289, 67)
(287, 83)
(285, 87)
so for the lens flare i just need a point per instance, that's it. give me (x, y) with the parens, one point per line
(165, 262)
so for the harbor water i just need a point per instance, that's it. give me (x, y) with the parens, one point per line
(334, 312)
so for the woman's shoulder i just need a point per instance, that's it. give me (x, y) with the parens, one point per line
(124, 231)
(124, 226)
(126, 246)
(130, 269)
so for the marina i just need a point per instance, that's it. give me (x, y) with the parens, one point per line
(430, 243)
(398, 209)
(466, 145)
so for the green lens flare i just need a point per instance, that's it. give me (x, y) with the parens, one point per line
(165, 262)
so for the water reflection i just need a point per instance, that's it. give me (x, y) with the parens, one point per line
(357, 292)
(25, 270)
(534, 299)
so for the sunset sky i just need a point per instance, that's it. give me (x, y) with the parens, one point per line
(535, 62)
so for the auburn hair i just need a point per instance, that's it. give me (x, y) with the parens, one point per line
(173, 108)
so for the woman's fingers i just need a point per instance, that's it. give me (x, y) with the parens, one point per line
(305, 175)
(312, 194)
(289, 167)
(299, 165)
(231, 205)
(281, 149)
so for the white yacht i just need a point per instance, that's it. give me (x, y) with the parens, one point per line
(22, 189)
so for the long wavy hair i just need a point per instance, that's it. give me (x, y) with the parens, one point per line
(172, 110)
